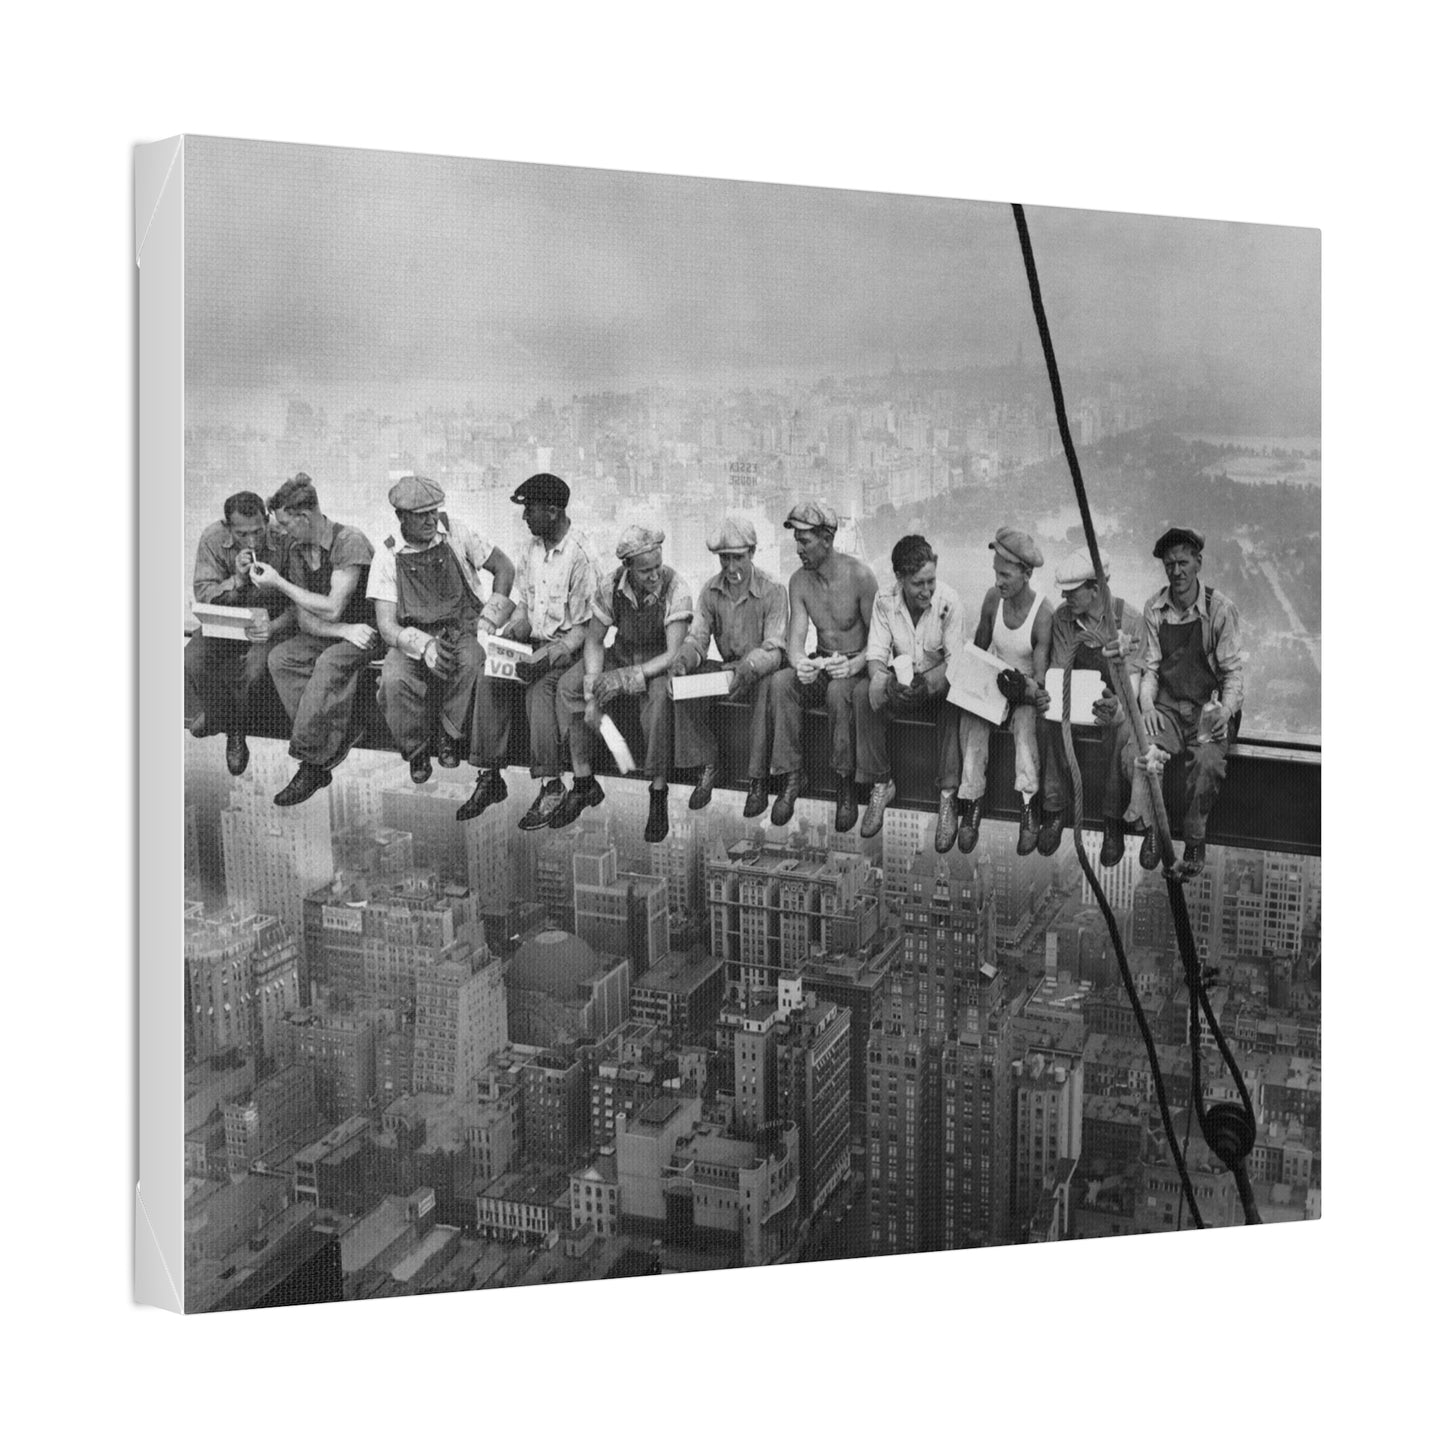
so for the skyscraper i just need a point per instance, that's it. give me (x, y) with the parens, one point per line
(619, 913)
(242, 972)
(461, 1018)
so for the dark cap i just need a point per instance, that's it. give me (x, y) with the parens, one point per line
(545, 489)
(1179, 537)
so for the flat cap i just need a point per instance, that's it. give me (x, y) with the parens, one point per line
(545, 489)
(734, 534)
(1178, 537)
(416, 494)
(1078, 568)
(1017, 547)
(808, 515)
(637, 540)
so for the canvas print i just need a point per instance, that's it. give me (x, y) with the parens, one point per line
(735, 724)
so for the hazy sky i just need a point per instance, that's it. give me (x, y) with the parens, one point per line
(367, 277)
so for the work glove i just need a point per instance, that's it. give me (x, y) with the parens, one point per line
(1013, 685)
(441, 657)
(634, 680)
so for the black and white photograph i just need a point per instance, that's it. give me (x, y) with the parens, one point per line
(731, 724)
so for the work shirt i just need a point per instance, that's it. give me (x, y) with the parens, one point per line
(557, 585)
(1071, 636)
(752, 628)
(1221, 640)
(311, 564)
(936, 637)
(674, 597)
(215, 577)
(471, 551)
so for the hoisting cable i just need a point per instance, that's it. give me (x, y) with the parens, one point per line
(1229, 1127)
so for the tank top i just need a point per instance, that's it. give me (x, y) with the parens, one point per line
(1016, 644)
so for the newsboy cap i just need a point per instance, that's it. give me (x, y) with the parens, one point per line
(1017, 547)
(733, 534)
(416, 494)
(1078, 568)
(545, 489)
(808, 515)
(637, 540)
(1179, 537)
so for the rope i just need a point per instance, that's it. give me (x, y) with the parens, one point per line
(1118, 672)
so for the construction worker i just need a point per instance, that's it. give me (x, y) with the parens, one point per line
(917, 628)
(556, 583)
(317, 671)
(744, 613)
(834, 592)
(650, 607)
(222, 675)
(1076, 638)
(1013, 624)
(429, 610)
(1191, 692)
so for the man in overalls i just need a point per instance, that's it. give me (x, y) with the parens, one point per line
(745, 612)
(221, 675)
(1077, 638)
(1013, 624)
(1191, 693)
(317, 671)
(429, 611)
(650, 606)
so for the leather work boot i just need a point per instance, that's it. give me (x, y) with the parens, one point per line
(309, 779)
(238, 755)
(946, 833)
(1113, 845)
(584, 793)
(1193, 863)
(846, 813)
(757, 800)
(1028, 828)
(491, 788)
(783, 804)
(878, 801)
(702, 789)
(1149, 849)
(447, 754)
(970, 815)
(547, 801)
(656, 829)
(421, 768)
(1051, 832)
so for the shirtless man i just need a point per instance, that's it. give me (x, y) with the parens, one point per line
(835, 593)
(1013, 624)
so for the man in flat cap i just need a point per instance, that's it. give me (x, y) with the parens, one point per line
(834, 593)
(650, 607)
(557, 579)
(744, 613)
(1077, 639)
(1013, 624)
(430, 613)
(317, 671)
(222, 676)
(917, 629)
(1191, 692)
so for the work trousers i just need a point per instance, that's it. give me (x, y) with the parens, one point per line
(873, 760)
(547, 723)
(221, 678)
(654, 709)
(1058, 786)
(695, 739)
(471, 705)
(855, 731)
(974, 733)
(1204, 765)
(317, 679)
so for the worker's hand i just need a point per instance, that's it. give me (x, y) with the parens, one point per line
(879, 687)
(807, 671)
(1106, 709)
(1038, 694)
(358, 634)
(1153, 723)
(609, 684)
(839, 666)
(263, 574)
(678, 667)
(243, 561)
(1220, 731)
(484, 628)
(743, 676)
(634, 680)
(592, 713)
(260, 631)
(1123, 645)
(441, 657)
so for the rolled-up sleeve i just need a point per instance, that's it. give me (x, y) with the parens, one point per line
(693, 651)
(1228, 656)
(583, 585)
(679, 602)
